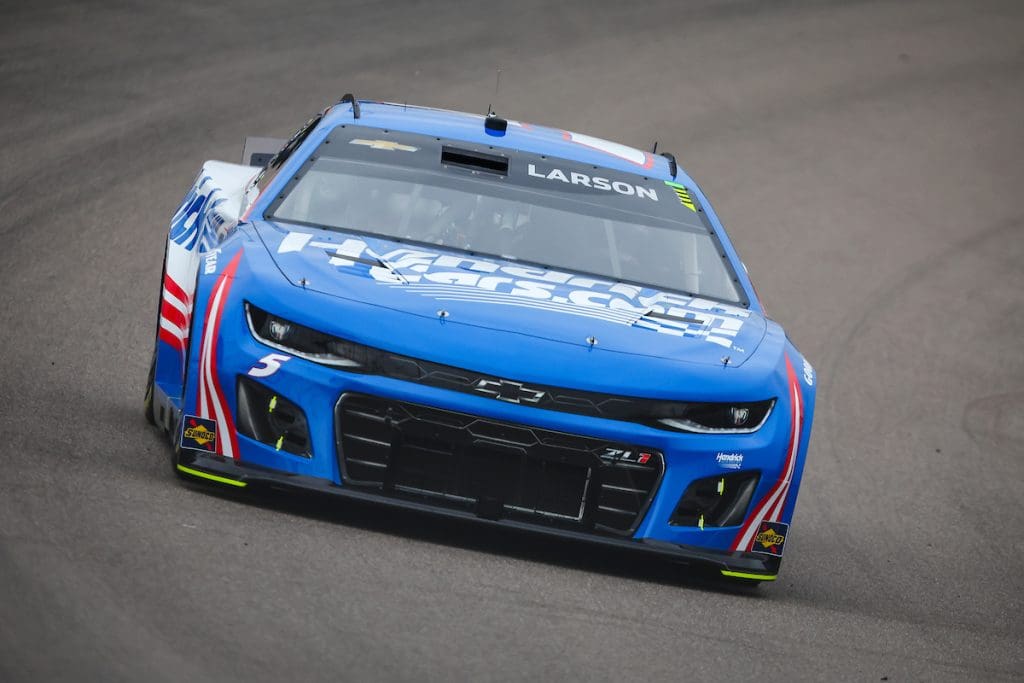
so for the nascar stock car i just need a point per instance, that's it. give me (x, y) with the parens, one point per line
(486, 319)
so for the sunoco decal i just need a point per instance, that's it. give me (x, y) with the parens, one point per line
(771, 538)
(456, 277)
(199, 433)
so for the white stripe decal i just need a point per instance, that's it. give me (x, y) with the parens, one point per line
(212, 399)
(172, 328)
(175, 302)
(776, 512)
(293, 241)
(770, 508)
(205, 398)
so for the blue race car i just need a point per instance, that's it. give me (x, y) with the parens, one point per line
(485, 319)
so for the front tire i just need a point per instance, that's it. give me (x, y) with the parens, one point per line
(147, 402)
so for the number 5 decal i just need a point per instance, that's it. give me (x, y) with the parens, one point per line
(268, 365)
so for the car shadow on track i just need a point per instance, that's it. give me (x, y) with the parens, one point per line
(469, 535)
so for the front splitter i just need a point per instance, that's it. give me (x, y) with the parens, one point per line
(227, 472)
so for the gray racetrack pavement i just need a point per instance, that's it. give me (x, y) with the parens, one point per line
(868, 160)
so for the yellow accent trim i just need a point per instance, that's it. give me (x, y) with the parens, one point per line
(721, 487)
(700, 522)
(211, 477)
(683, 194)
(280, 442)
(273, 404)
(744, 575)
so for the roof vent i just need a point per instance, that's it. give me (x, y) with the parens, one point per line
(473, 160)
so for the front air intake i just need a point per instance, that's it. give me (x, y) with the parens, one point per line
(270, 418)
(716, 501)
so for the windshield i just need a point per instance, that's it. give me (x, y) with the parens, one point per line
(596, 221)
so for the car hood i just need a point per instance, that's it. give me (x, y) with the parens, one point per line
(506, 295)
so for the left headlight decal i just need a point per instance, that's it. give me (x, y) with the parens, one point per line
(305, 342)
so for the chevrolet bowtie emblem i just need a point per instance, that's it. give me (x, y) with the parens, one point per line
(511, 392)
(389, 145)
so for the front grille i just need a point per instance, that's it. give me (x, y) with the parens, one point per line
(492, 468)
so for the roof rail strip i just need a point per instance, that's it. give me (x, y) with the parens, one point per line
(673, 168)
(350, 98)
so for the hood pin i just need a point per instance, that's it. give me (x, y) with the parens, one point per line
(592, 340)
(442, 314)
(725, 361)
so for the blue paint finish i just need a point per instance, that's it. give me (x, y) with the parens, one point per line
(527, 344)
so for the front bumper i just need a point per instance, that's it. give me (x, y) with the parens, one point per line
(318, 462)
(224, 471)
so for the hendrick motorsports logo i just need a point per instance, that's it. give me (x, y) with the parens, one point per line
(730, 461)
(771, 538)
(199, 433)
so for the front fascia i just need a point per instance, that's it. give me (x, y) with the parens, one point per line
(316, 389)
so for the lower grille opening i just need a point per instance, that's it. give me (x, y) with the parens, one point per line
(492, 468)
(716, 501)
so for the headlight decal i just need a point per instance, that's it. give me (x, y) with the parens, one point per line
(679, 416)
(720, 418)
(305, 342)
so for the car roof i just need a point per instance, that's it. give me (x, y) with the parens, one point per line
(519, 136)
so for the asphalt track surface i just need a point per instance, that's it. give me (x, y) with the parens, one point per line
(866, 158)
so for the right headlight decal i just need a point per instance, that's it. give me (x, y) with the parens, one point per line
(718, 418)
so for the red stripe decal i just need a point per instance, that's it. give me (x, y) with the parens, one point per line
(213, 391)
(174, 290)
(229, 273)
(770, 507)
(168, 338)
(173, 315)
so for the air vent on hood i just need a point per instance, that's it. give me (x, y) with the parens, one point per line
(476, 161)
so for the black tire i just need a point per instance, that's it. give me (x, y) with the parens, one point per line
(175, 438)
(147, 402)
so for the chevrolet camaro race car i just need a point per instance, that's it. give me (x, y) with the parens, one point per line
(486, 319)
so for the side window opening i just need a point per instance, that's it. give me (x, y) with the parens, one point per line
(275, 163)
